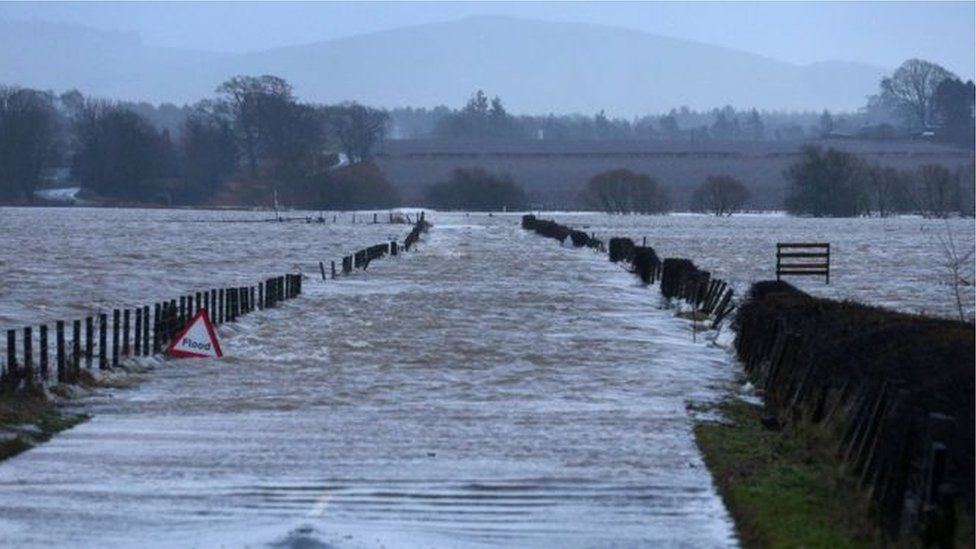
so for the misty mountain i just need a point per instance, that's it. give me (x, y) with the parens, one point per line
(535, 66)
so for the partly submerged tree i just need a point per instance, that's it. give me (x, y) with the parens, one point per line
(938, 192)
(827, 183)
(889, 190)
(359, 186)
(476, 189)
(720, 195)
(623, 191)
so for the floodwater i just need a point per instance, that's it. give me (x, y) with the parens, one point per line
(901, 263)
(490, 389)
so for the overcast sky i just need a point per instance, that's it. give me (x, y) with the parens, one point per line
(879, 33)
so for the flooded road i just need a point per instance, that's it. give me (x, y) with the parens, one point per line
(490, 389)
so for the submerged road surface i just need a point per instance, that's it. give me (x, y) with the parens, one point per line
(491, 389)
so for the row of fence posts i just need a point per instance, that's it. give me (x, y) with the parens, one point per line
(392, 218)
(362, 258)
(679, 278)
(136, 331)
(148, 330)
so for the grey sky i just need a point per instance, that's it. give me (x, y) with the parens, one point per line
(879, 33)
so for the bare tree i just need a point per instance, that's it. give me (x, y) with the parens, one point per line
(28, 139)
(959, 267)
(911, 88)
(476, 189)
(889, 189)
(208, 152)
(721, 195)
(119, 153)
(826, 183)
(624, 191)
(937, 191)
(250, 100)
(357, 128)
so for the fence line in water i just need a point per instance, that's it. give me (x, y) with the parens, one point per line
(679, 278)
(149, 329)
(893, 390)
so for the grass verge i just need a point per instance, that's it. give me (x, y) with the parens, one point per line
(783, 488)
(28, 420)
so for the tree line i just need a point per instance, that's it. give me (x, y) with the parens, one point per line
(822, 183)
(920, 99)
(841, 184)
(253, 128)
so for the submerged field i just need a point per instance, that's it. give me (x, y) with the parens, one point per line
(900, 263)
(491, 388)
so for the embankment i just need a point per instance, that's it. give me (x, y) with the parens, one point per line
(894, 392)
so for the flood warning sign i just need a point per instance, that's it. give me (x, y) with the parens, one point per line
(197, 339)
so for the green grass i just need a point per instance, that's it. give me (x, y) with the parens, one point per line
(44, 415)
(783, 488)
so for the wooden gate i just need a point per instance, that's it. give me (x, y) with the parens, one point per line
(803, 259)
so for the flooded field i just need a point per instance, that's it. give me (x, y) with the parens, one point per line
(898, 263)
(490, 389)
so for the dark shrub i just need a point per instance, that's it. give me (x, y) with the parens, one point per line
(477, 190)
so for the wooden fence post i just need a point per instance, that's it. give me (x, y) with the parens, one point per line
(138, 338)
(28, 354)
(145, 330)
(11, 355)
(75, 349)
(157, 343)
(43, 349)
(102, 341)
(60, 356)
(89, 341)
(115, 338)
(125, 333)
(60, 353)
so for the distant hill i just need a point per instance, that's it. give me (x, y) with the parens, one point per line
(535, 66)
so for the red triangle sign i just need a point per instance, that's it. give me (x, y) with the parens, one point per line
(197, 339)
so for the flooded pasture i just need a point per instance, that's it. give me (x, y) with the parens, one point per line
(897, 262)
(490, 389)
